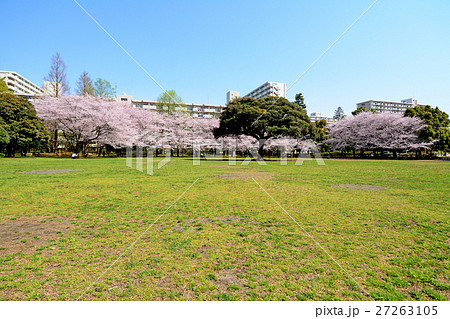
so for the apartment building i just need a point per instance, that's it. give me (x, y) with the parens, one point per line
(317, 116)
(50, 88)
(389, 106)
(194, 109)
(266, 89)
(231, 95)
(269, 89)
(20, 85)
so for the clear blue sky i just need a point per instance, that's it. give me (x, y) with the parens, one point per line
(203, 49)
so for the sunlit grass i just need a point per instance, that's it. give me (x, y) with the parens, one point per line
(385, 222)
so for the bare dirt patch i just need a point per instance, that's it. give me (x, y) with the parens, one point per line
(230, 219)
(230, 176)
(226, 278)
(409, 223)
(53, 171)
(200, 220)
(223, 219)
(28, 233)
(358, 186)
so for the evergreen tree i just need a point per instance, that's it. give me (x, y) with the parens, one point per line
(18, 118)
(300, 100)
(437, 126)
(339, 114)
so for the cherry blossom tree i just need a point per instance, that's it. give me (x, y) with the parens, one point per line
(86, 119)
(151, 129)
(177, 131)
(197, 133)
(376, 132)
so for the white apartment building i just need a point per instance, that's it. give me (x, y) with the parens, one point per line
(231, 95)
(20, 85)
(269, 89)
(317, 116)
(194, 109)
(388, 106)
(51, 87)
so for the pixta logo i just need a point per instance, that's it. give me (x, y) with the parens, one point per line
(212, 149)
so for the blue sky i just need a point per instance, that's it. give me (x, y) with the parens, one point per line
(202, 49)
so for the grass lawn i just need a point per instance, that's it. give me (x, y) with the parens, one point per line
(386, 223)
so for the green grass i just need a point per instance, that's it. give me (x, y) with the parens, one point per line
(225, 239)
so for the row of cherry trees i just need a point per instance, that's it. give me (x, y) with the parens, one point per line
(380, 132)
(85, 120)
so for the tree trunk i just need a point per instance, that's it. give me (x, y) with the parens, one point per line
(100, 151)
(55, 142)
(261, 149)
(84, 149)
(10, 151)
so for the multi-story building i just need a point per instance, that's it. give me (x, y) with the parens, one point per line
(317, 116)
(388, 106)
(269, 89)
(50, 88)
(194, 109)
(231, 95)
(20, 85)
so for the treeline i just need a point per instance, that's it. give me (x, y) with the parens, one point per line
(421, 128)
(92, 120)
(86, 123)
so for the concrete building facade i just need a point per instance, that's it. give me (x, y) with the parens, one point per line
(231, 95)
(317, 116)
(194, 109)
(50, 88)
(389, 106)
(269, 89)
(20, 85)
(266, 89)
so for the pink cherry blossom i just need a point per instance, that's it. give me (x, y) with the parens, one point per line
(381, 131)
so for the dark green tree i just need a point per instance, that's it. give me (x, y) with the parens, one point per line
(4, 138)
(300, 100)
(18, 118)
(362, 109)
(3, 87)
(264, 118)
(437, 126)
(321, 130)
(339, 113)
(169, 101)
(103, 88)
